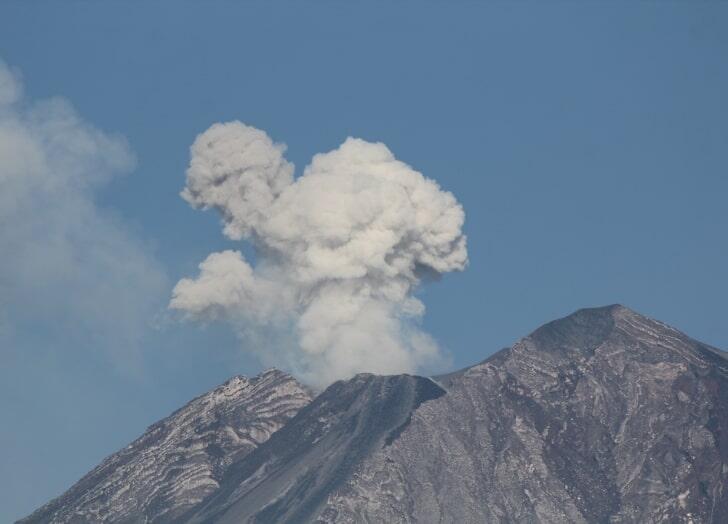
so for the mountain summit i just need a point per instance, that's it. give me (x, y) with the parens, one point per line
(602, 416)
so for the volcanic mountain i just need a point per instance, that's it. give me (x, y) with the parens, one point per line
(179, 461)
(602, 416)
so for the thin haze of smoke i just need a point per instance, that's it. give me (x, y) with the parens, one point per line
(70, 274)
(341, 250)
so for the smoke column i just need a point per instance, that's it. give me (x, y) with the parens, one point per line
(340, 250)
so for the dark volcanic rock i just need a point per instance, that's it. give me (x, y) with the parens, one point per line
(180, 460)
(290, 477)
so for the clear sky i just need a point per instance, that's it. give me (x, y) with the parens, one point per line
(587, 143)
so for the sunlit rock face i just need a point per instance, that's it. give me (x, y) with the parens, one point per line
(602, 416)
(180, 460)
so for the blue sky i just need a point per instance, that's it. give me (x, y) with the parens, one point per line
(587, 143)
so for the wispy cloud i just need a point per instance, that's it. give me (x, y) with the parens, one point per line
(70, 273)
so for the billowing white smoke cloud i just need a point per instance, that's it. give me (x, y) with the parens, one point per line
(341, 250)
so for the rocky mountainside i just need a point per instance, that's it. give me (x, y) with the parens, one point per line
(180, 460)
(603, 416)
(290, 477)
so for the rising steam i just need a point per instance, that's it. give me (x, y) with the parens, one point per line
(340, 250)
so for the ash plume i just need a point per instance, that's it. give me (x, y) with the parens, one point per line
(340, 251)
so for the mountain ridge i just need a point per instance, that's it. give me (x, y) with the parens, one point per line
(604, 415)
(584, 418)
(193, 445)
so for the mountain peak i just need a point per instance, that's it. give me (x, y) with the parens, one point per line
(586, 329)
(181, 459)
(602, 416)
(273, 372)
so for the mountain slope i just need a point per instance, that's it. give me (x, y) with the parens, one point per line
(179, 461)
(604, 416)
(288, 478)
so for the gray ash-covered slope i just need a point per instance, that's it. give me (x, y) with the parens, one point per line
(290, 477)
(180, 460)
(603, 416)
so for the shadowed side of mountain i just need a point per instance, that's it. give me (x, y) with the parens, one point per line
(289, 477)
(180, 460)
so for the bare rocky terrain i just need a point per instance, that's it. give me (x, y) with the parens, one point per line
(603, 416)
(180, 460)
